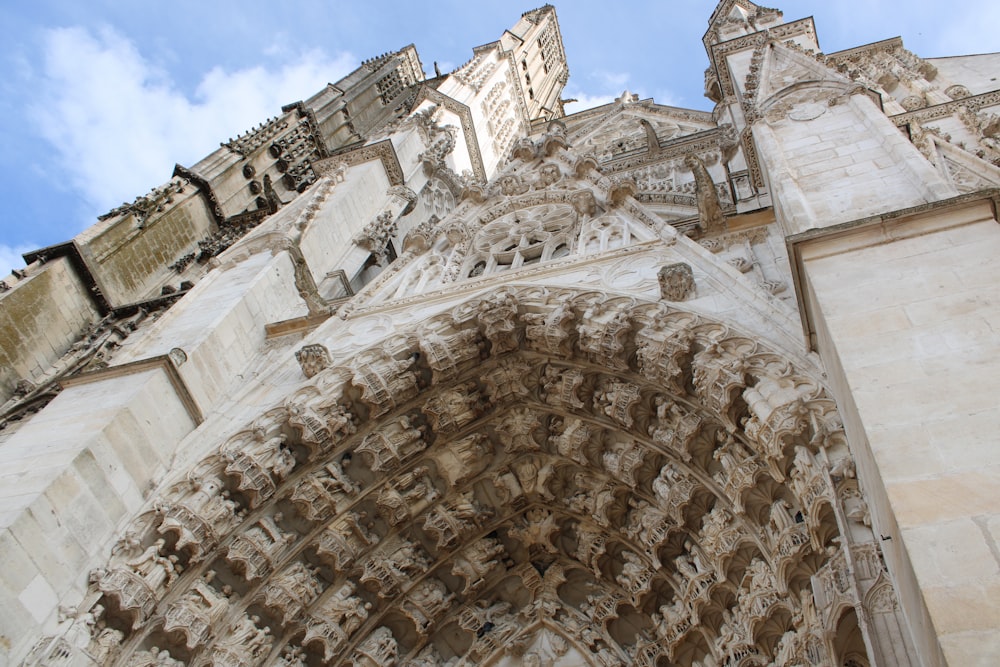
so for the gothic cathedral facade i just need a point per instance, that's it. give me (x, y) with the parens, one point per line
(425, 371)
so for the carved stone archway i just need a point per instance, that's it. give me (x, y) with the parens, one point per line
(538, 476)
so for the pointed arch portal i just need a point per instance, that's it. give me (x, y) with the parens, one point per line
(536, 477)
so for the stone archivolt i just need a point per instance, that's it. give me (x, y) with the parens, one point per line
(657, 490)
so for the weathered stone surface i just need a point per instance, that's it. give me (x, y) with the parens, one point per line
(447, 391)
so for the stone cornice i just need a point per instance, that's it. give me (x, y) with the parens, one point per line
(699, 142)
(887, 45)
(164, 362)
(71, 252)
(299, 325)
(380, 150)
(205, 189)
(472, 285)
(976, 102)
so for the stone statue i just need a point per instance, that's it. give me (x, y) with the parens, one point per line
(158, 571)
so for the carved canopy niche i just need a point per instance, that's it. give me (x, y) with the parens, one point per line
(536, 477)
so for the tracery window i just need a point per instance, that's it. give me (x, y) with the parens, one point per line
(605, 233)
(547, 45)
(389, 86)
(523, 238)
(437, 199)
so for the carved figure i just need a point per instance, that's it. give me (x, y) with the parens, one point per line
(673, 620)
(533, 475)
(292, 589)
(506, 379)
(780, 516)
(623, 460)
(199, 517)
(153, 657)
(449, 355)
(559, 386)
(197, 612)
(676, 282)
(571, 437)
(537, 530)
(387, 570)
(292, 656)
(476, 562)
(515, 431)
(255, 551)
(668, 477)
(453, 518)
(335, 619)
(343, 540)
(498, 317)
(158, 571)
(256, 460)
(709, 207)
(590, 546)
(603, 342)
(635, 574)
(393, 444)
(379, 649)
(245, 644)
(460, 460)
(319, 494)
(647, 523)
(412, 493)
(428, 600)
(454, 407)
(386, 382)
(804, 462)
(313, 358)
(548, 174)
(617, 400)
(549, 332)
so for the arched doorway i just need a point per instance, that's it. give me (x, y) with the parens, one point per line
(536, 477)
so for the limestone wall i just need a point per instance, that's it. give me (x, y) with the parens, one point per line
(74, 471)
(40, 319)
(977, 73)
(129, 256)
(906, 312)
(849, 160)
(70, 476)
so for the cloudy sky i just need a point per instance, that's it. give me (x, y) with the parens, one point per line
(100, 99)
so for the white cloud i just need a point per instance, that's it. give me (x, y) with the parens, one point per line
(10, 256)
(585, 101)
(614, 80)
(118, 122)
(667, 98)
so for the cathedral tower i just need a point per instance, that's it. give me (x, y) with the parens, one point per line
(425, 371)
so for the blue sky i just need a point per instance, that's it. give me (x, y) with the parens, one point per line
(101, 98)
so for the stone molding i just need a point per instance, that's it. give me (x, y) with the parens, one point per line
(468, 126)
(168, 363)
(383, 151)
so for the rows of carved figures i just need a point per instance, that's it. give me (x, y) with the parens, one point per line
(629, 482)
